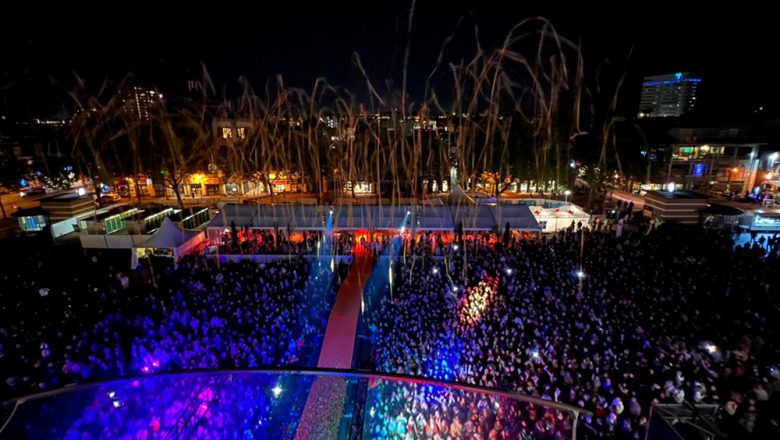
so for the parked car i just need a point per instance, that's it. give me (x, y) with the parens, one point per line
(108, 199)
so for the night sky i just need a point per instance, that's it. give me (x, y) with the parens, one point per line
(734, 49)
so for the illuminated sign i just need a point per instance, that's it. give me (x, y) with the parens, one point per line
(698, 169)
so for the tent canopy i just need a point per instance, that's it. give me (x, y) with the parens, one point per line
(519, 217)
(474, 218)
(459, 197)
(353, 217)
(168, 236)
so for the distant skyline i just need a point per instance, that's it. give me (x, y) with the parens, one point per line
(732, 49)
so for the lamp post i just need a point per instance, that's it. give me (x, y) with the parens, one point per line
(566, 195)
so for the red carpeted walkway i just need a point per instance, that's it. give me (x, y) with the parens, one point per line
(339, 342)
(322, 412)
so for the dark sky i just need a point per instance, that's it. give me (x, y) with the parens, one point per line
(734, 49)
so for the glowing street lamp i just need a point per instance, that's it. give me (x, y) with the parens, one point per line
(566, 194)
(580, 274)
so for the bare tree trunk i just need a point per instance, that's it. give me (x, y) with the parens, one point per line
(137, 190)
(177, 192)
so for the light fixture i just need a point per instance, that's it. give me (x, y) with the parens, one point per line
(277, 390)
(670, 187)
(580, 274)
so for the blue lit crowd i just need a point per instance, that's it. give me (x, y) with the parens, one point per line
(63, 323)
(630, 319)
(613, 319)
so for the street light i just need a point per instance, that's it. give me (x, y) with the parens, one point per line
(566, 194)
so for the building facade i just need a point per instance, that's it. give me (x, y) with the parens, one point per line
(665, 96)
(137, 101)
(714, 161)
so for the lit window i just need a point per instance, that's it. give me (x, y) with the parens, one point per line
(241, 133)
(227, 133)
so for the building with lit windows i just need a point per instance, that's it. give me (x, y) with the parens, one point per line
(665, 96)
(231, 129)
(137, 101)
(715, 161)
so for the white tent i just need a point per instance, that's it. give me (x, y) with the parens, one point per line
(554, 219)
(170, 236)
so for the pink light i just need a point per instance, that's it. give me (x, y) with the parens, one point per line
(135, 383)
(145, 369)
(156, 363)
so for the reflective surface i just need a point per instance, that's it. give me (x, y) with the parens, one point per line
(282, 405)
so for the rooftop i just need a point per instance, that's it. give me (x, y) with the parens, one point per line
(678, 194)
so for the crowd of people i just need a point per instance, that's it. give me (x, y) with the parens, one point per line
(280, 242)
(62, 323)
(203, 406)
(401, 410)
(613, 320)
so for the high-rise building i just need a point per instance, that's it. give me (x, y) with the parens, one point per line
(665, 96)
(138, 100)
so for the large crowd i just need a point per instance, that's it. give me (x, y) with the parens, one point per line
(62, 323)
(612, 319)
(402, 410)
(203, 406)
(236, 241)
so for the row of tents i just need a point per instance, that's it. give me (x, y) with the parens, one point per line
(376, 217)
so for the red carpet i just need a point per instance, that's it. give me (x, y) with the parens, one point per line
(322, 412)
(339, 342)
